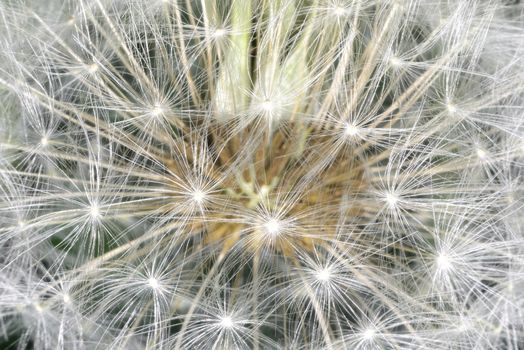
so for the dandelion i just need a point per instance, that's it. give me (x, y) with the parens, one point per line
(291, 174)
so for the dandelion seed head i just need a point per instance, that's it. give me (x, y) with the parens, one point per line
(268, 106)
(94, 211)
(198, 196)
(273, 103)
(340, 11)
(157, 111)
(368, 334)
(153, 283)
(395, 61)
(327, 141)
(38, 307)
(273, 226)
(351, 130)
(452, 109)
(444, 262)
(92, 68)
(226, 322)
(481, 154)
(219, 33)
(323, 275)
(391, 199)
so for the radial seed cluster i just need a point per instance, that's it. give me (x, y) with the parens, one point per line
(261, 174)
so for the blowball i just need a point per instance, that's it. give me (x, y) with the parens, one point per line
(290, 174)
